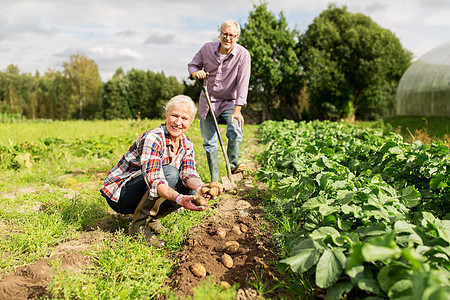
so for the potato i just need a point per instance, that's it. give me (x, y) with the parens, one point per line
(198, 270)
(236, 229)
(221, 232)
(231, 247)
(216, 184)
(204, 190)
(244, 228)
(214, 191)
(199, 200)
(219, 248)
(225, 285)
(227, 261)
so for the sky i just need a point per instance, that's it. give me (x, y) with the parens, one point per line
(164, 35)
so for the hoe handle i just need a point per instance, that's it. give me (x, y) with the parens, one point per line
(203, 83)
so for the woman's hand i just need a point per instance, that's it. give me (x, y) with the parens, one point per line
(199, 192)
(186, 202)
(207, 195)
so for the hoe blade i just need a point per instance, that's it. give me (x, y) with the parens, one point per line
(229, 182)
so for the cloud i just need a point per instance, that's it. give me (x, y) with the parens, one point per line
(377, 6)
(163, 35)
(160, 39)
(127, 33)
(114, 54)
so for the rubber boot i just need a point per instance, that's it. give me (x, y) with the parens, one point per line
(141, 220)
(156, 226)
(213, 163)
(233, 150)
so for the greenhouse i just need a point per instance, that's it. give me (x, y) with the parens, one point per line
(424, 89)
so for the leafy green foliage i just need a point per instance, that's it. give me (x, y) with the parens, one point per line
(85, 86)
(350, 61)
(275, 75)
(138, 94)
(369, 208)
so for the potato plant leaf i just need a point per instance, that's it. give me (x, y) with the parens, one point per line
(338, 290)
(372, 252)
(410, 196)
(390, 274)
(303, 256)
(329, 267)
(368, 201)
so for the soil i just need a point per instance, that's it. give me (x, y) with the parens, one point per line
(32, 281)
(253, 263)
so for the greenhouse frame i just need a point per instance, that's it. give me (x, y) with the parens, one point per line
(424, 89)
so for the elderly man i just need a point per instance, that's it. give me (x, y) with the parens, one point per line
(227, 65)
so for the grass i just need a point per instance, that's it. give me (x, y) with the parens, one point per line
(38, 222)
(123, 269)
(436, 127)
(50, 176)
(426, 129)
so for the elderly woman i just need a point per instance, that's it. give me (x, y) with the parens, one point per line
(157, 175)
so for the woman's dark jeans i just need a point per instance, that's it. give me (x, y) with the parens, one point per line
(134, 190)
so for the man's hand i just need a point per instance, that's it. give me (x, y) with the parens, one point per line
(186, 202)
(237, 115)
(199, 74)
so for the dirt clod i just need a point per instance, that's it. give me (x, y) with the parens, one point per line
(221, 232)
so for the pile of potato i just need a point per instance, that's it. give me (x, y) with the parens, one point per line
(228, 249)
(213, 189)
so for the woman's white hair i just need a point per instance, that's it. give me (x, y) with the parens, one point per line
(182, 99)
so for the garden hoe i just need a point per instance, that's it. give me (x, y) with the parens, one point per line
(229, 181)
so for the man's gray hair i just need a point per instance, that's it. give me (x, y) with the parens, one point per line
(231, 23)
(182, 99)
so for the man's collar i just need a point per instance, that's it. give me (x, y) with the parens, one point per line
(233, 51)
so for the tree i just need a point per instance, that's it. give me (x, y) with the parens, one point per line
(86, 86)
(17, 92)
(138, 94)
(191, 89)
(347, 59)
(116, 98)
(53, 96)
(9, 89)
(275, 82)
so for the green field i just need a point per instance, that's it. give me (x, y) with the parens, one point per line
(50, 177)
(49, 181)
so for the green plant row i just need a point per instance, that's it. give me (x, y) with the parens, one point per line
(368, 213)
